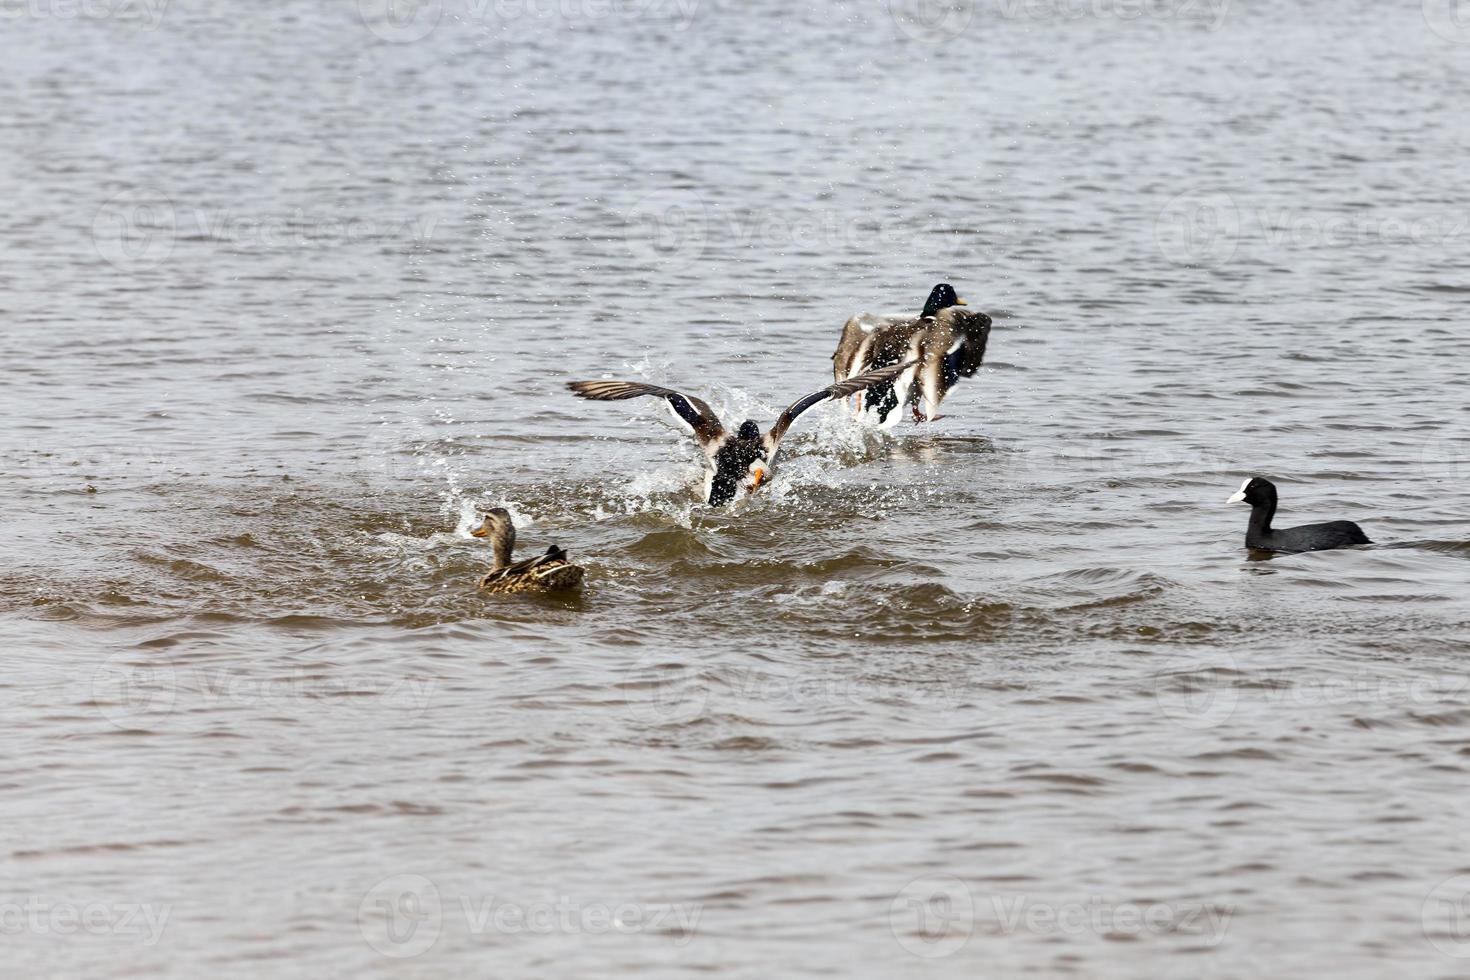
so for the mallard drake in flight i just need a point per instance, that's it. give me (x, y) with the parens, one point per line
(551, 572)
(742, 459)
(945, 342)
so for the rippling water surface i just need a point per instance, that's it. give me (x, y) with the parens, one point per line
(288, 291)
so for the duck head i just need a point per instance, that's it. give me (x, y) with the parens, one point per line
(496, 525)
(740, 464)
(757, 468)
(941, 297)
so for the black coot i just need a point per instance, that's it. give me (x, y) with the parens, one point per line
(1261, 495)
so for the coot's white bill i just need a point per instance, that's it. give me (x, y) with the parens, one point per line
(1239, 497)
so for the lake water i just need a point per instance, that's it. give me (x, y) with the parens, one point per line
(289, 290)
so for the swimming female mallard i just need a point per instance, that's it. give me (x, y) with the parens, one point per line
(550, 572)
(947, 342)
(743, 459)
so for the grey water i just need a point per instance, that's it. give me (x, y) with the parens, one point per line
(289, 290)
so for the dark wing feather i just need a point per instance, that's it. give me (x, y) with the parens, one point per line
(698, 415)
(841, 389)
(974, 329)
(553, 555)
(854, 332)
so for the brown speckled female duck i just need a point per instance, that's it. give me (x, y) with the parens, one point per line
(550, 572)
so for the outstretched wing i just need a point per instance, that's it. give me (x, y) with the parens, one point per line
(970, 331)
(841, 389)
(862, 336)
(692, 411)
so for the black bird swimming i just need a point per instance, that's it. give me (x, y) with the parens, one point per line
(744, 458)
(1261, 495)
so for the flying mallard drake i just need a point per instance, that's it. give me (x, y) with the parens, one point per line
(744, 458)
(944, 341)
(550, 572)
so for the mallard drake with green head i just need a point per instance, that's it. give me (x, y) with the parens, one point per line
(739, 460)
(945, 341)
(550, 572)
